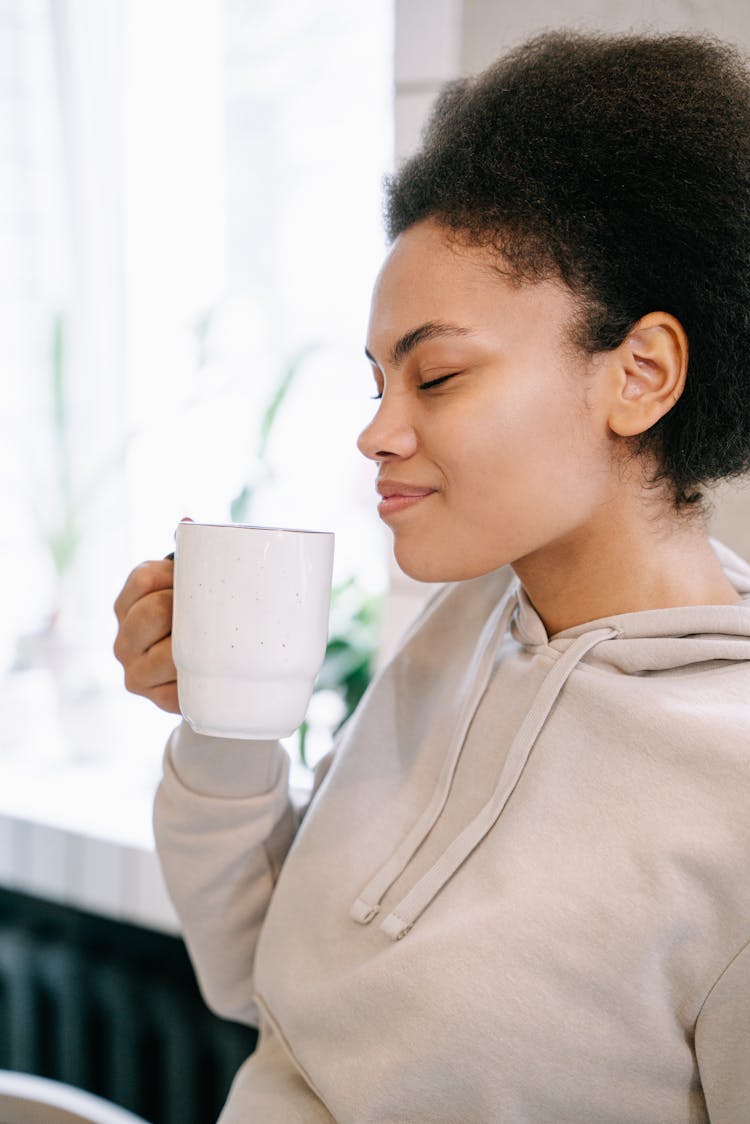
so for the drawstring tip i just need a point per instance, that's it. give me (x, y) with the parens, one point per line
(363, 912)
(395, 927)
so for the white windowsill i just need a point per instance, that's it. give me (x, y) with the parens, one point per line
(78, 830)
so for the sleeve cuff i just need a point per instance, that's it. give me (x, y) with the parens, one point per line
(224, 767)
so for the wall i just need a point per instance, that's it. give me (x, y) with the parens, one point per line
(488, 29)
(444, 39)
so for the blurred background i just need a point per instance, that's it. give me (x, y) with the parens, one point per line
(190, 224)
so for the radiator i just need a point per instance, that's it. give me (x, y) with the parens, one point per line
(112, 1009)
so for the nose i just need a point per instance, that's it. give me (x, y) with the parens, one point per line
(390, 434)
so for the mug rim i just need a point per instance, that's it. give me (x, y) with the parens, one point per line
(253, 527)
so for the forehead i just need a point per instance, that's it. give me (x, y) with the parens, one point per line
(423, 264)
(428, 276)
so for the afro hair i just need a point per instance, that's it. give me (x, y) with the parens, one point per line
(620, 165)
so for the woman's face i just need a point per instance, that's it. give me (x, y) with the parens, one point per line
(514, 457)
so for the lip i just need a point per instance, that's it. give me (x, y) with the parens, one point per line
(391, 504)
(389, 488)
(398, 496)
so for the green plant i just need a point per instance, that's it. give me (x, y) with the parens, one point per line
(241, 506)
(63, 536)
(63, 530)
(350, 653)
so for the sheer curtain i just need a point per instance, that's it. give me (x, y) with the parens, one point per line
(189, 208)
(257, 142)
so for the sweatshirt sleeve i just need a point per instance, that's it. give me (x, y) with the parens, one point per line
(223, 823)
(722, 1044)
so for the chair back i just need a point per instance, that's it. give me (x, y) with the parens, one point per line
(28, 1099)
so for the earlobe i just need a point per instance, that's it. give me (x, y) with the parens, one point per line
(649, 374)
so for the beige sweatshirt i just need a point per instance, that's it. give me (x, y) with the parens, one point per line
(521, 893)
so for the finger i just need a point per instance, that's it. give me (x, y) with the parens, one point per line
(147, 622)
(151, 670)
(166, 698)
(144, 579)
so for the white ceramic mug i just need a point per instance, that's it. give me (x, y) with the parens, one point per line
(250, 625)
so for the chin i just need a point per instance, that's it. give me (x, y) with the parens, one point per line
(425, 566)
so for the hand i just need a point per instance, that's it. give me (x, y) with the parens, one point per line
(144, 638)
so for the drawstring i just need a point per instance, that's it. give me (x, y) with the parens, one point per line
(403, 916)
(367, 904)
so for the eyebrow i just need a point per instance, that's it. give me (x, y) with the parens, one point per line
(432, 330)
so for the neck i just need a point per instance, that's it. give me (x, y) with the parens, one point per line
(623, 566)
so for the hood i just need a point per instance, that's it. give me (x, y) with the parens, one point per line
(654, 640)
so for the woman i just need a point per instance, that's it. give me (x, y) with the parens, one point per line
(521, 892)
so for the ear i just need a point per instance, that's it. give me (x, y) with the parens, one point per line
(647, 374)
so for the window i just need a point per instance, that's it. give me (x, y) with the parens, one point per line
(190, 212)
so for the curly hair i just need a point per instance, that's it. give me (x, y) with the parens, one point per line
(619, 164)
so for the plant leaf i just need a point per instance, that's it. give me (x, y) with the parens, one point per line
(289, 375)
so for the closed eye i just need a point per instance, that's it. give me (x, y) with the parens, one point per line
(436, 382)
(424, 385)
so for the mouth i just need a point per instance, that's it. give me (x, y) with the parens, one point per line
(390, 505)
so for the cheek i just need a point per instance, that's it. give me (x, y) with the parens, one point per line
(531, 443)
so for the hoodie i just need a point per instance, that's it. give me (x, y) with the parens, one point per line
(520, 893)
